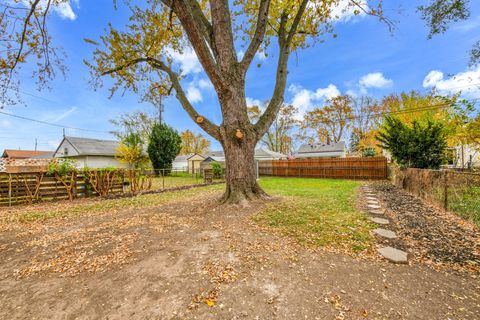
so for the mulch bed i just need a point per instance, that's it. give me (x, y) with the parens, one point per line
(431, 235)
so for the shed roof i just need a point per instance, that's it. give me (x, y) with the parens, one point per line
(23, 154)
(92, 147)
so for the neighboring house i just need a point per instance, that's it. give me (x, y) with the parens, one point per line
(194, 162)
(466, 157)
(266, 154)
(180, 163)
(260, 154)
(332, 150)
(26, 154)
(92, 153)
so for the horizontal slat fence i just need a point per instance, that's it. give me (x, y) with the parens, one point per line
(18, 188)
(336, 168)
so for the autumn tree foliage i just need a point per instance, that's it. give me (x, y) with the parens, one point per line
(194, 143)
(131, 151)
(330, 122)
(367, 118)
(279, 137)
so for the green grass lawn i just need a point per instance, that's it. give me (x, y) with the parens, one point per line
(177, 179)
(319, 212)
(465, 202)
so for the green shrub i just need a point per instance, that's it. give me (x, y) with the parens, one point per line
(217, 170)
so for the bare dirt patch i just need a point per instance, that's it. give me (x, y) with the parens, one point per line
(194, 259)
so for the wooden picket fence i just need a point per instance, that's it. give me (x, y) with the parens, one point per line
(337, 168)
(29, 187)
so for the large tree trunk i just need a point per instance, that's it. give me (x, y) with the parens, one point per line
(240, 174)
(238, 138)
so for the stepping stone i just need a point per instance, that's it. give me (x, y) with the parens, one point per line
(371, 198)
(379, 220)
(379, 212)
(393, 255)
(372, 202)
(385, 233)
(374, 206)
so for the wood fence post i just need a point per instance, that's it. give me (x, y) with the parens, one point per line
(74, 188)
(445, 190)
(9, 189)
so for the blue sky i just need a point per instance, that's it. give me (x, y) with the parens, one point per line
(365, 58)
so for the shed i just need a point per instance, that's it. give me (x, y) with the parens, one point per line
(194, 162)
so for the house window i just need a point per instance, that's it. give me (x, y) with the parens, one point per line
(65, 151)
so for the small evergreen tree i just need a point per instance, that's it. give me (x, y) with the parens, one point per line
(164, 144)
(421, 145)
(369, 152)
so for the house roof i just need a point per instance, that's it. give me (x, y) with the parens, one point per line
(195, 154)
(266, 153)
(92, 147)
(322, 148)
(23, 154)
(259, 153)
(183, 157)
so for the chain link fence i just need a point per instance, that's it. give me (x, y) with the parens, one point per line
(451, 190)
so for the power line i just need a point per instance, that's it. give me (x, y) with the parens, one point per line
(50, 123)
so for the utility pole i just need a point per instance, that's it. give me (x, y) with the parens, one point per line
(159, 105)
(35, 144)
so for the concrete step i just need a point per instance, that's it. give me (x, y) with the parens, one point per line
(385, 233)
(379, 220)
(393, 255)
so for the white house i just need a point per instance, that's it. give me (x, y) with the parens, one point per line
(92, 153)
(180, 163)
(466, 156)
(322, 150)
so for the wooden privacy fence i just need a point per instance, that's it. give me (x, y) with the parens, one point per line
(337, 168)
(18, 188)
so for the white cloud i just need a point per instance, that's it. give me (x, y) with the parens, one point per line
(467, 82)
(374, 80)
(254, 102)
(195, 88)
(187, 60)
(345, 12)
(63, 9)
(304, 99)
(194, 94)
(260, 55)
(204, 84)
